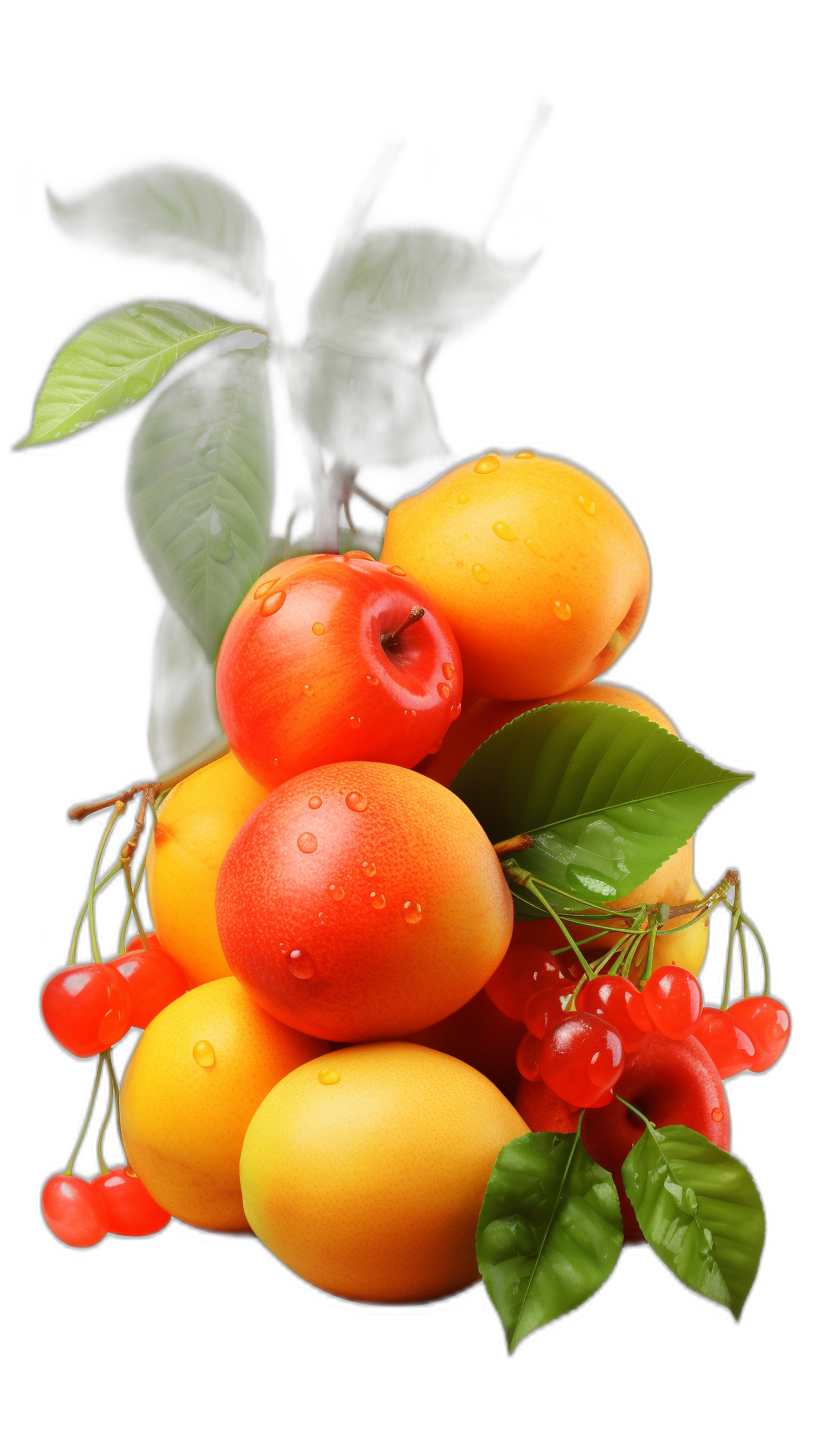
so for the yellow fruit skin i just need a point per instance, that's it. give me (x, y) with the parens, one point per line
(197, 823)
(183, 1124)
(542, 593)
(686, 947)
(370, 1187)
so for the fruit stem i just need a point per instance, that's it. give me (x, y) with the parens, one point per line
(103, 1167)
(83, 912)
(653, 929)
(389, 639)
(115, 1086)
(766, 990)
(70, 1168)
(519, 841)
(371, 500)
(732, 930)
(156, 787)
(134, 909)
(118, 809)
(528, 882)
(636, 1110)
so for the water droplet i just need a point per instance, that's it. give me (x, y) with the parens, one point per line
(396, 571)
(463, 499)
(377, 900)
(203, 441)
(435, 747)
(447, 670)
(315, 801)
(357, 802)
(357, 556)
(412, 912)
(504, 532)
(328, 1076)
(616, 644)
(99, 413)
(273, 603)
(456, 709)
(368, 868)
(460, 563)
(717, 1114)
(308, 691)
(217, 536)
(307, 843)
(264, 588)
(534, 546)
(524, 455)
(481, 573)
(337, 892)
(587, 504)
(486, 464)
(204, 1054)
(375, 681)
(318, 629)
(443, 689)
(301, 964)
(354, 722)
(562, 611)
(134, 312)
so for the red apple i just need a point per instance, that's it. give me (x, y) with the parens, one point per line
(670, 1081)
(318, 666)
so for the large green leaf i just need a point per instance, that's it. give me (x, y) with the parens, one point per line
(606, 794)
(394, 292)
(200, 489)
(175, 212)
(549, 1232)
(115, 361)
(700, 1210)
(369, 411)
(183, 714)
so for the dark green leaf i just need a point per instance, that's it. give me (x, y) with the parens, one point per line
(115, 361)
(175, 212)
(183, 716)
(369, 411)
(200, 490)
(700, 1210)
(606, 794)
(394, 292)
(549, 1232)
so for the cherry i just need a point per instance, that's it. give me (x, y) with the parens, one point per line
(767, 1022)
(545, 1009)
(612, 997)
(529, 1049)
(87, 1008)
(581, 1057)
(524, 970)
(128, 1206)
(543, 1111)
(153, 942)
(74, 1211)
(153, 979)
(729, 1047)
(673, 999)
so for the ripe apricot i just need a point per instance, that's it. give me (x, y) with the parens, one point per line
(481, 1035)
(541, 573)
(200, 1070)
(197, 822)
(364, 1171)
(362, 901)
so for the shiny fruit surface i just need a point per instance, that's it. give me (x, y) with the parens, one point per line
(581, 1057)
(362, 901)
(128, 1206)
(729, 1047)
(614, 998)
(365, 1171)
(673, 1000)
(525, 970)
(87, 1008)
(767, 1023)
(73, 1211)
(481, 1035)
(153, 980)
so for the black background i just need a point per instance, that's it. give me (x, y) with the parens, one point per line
(636, 348)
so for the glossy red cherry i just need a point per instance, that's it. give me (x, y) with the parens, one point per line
(87, 1008)
(580, 1058)
(546, 1008)
(543, 1111)
(673, 999)
(525, 970)
(153, 979)
(529, 1049)
(767, 1022)
(612, 997)
(729, 1047)
(128, 1206)
(73, 1211)
(153, 942)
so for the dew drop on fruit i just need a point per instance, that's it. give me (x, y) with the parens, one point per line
(318, 629)
(562, 611)
(328, 1076)
(486, 464)
(368, 868)
(337, 892)
(354, 722)
(309, 691)
(307, 843)
(447, 670)
(264, 589)
(716, 1114)
(272, 603)
(460, 563)
(456, 709)
(396, 571)
(586, 504)
(504, 532)
(463, 499)
(315, 801)
(357, 802)
(375, 681)
(412, 912)
(534, 546)
(443, 689)
(481, 573)
(204, 1054)
(300, 964)
(524, 455)
(377, 900)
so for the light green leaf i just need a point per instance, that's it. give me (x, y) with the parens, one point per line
(369, 411)
(183, 716)
(200, 490)
(606, 794)
(549, 1232)
(394, 292)
(115, 361)
(175, 212)
(700, 1210)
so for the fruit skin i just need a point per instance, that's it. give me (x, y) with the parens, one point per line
(197, 823)
(542, 1110)
(290, 699)
(129, 1209)
(370, 973)
(671, 1082)
(370, 1187)
(73, 1211)
(730, 1048)
(153, 980)
(673, 1001)
(526, 970)
(767, 1023)
(87, 1008)
(182, 1123)
(613, 998)
(581, 1056)
(481, 1035)
(512, 642)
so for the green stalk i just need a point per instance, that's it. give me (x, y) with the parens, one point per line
(70, 1168)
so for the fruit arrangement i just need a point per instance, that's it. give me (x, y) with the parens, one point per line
(420, 1002)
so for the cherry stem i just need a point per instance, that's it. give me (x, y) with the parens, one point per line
(389, 639)
(128, 912)
(103, 1167)
(70, 1168)
(519, 841)
(766, 990)
(732, 930)
(118, 809)
(582, 960)
(653, 929)
(746, 989)
(117, 869)
(115, 1086)
(155, 787)
(134, 909)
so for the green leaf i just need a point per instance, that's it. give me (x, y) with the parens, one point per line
(700, 1210)
(369, 411)
(200, 490)
(549, 1232)
(116, 360)
(606, 794)
(183, 715)
(394, 292)
(175, 212)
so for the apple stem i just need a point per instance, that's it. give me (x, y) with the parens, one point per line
(389, 639)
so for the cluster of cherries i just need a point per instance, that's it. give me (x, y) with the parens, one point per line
(577, 1038)
(88, 1009)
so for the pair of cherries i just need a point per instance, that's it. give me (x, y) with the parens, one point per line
(91, 1007)
(81, 1213)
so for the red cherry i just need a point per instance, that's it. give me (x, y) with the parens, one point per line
(525, 970)
(543, 1111)
(153, 942)
(153, 979)
(767, 1022)
(527, 1056)
(128, 1206)
(73, 1211)
(87, 1008)
(729, 1047)
(673, 999)
(611, 997)
(581, 1057)
(545, 1009)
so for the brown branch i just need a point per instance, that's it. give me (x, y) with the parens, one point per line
(151, 789)
(509, 846)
